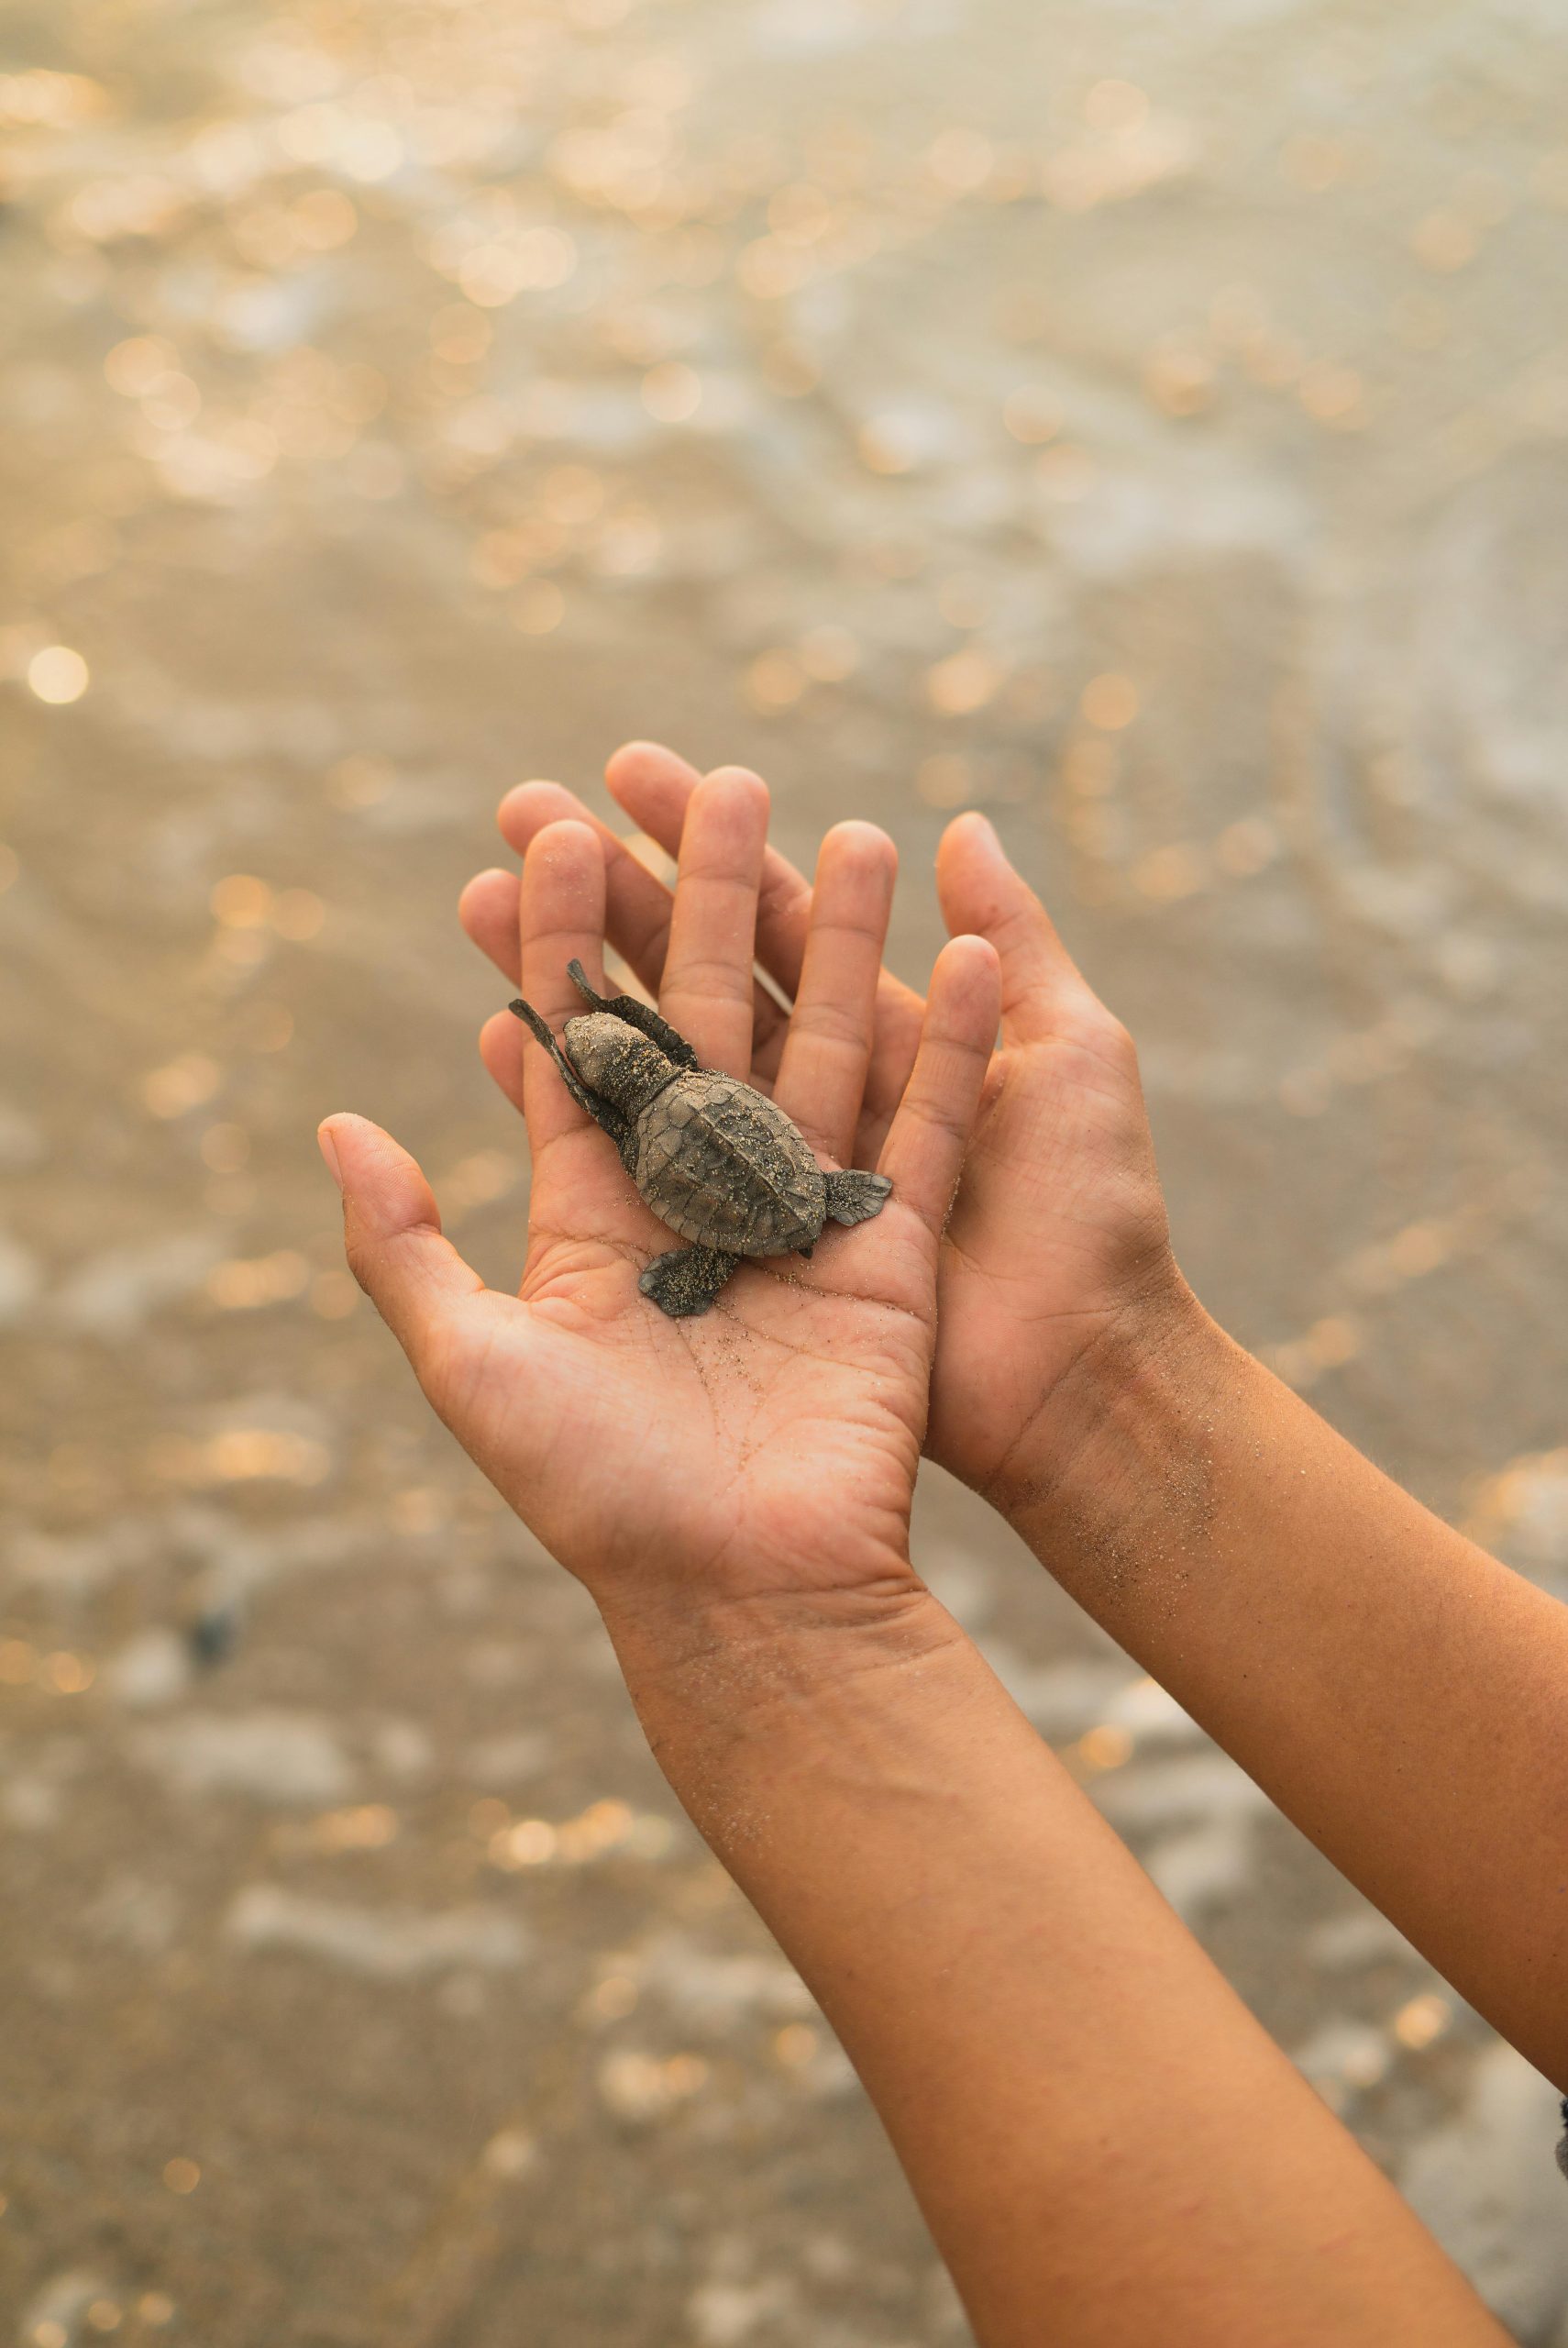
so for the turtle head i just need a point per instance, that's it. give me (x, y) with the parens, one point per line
(616, 1061)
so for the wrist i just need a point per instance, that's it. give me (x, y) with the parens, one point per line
(1122, 1432)
(782, 1647)
(797, 1672)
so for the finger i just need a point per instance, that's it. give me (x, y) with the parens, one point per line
(983, 896)
(637, 904)
(561, 920)
(489, 910)
(822, 1074)
(655, 787)
(707, 987)
(392, 1235)
(924, 1153)
(900, 1015)
(503, 1043)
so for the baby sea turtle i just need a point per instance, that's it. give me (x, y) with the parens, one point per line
(713, 1157)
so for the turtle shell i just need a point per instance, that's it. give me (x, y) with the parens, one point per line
(726, 1169)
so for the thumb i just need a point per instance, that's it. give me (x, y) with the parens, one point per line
(392, 1235)
(982, 893)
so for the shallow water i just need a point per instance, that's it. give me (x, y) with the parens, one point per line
(1151, 426)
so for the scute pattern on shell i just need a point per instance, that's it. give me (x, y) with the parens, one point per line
(724, 1168)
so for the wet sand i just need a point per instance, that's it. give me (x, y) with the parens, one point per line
(1153, 429)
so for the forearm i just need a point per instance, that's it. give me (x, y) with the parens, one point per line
(1402, 1695)
(1105, 2144)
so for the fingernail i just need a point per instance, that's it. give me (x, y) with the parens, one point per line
(990, 830)
(329, 1151)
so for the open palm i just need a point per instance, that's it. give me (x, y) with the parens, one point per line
(1058, 1230)
(772, 1445)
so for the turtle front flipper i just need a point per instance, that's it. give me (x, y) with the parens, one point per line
(603, 1112)
(641, 1015)
(686, 1281)
(854, 1197)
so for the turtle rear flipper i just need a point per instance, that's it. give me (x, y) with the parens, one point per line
(686, 1281)
(852, 1197)
(641, 1015)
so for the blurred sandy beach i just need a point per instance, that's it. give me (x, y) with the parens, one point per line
(1149, 425)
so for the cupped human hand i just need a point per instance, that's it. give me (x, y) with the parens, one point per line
(768, 1447)
(1057, 1245)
